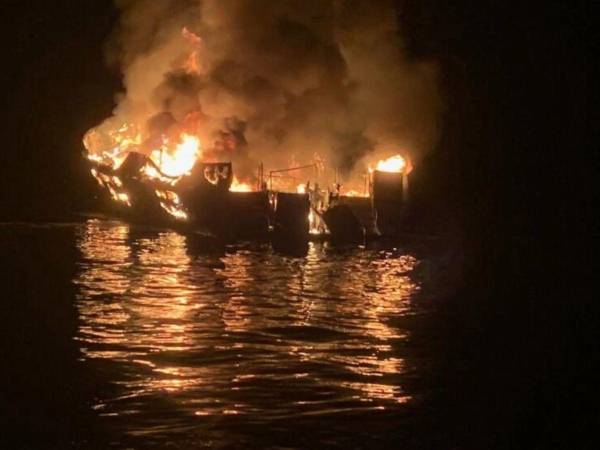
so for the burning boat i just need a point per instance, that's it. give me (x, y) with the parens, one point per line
(178, 188)
(175, 152)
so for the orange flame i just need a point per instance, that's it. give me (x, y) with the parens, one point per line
(355, 193)
(121, 141)
(171, 203)
(190, 36)
(191, 64)
(394, 164)
(114, 186)
(179, 161)
(237, 186)
(109, 144)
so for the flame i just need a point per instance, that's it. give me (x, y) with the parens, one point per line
(173, 156)
(237, 186)
(122, 140)
(152, 173)
(394, 164)
(191, 64)
(171, 203)
(355, 193)
(114, 186)
(190, 36)
(179, 161)
(171, 163)
(301, 189)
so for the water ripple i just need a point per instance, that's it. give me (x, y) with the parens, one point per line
(185, 337)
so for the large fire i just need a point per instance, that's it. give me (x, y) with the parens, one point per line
(171, 159)
(113, 152)
(166, 153)
(180, 160)
(171, 151)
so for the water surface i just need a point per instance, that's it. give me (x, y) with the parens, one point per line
(183, 343)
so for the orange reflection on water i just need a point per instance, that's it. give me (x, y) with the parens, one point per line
(211, 335)
(346, 298)
(123, 285)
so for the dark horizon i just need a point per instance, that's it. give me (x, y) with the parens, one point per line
(511, 176)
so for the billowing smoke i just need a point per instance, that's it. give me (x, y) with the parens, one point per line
(278, 81)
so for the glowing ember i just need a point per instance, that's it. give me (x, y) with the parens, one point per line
(237, 186)
(301, 189)
(394, 163)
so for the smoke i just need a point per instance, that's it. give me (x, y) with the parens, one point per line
(276, 80)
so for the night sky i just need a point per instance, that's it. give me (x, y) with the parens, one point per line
(513, 169)
(57, 86)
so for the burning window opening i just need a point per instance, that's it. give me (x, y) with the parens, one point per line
(172, 204)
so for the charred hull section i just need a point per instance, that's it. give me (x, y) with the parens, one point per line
(201, 201)
(249, 214)
(343, 225)
(388, 194)
(205, 197)
(290, 223)
(290, 217)
(134, 198)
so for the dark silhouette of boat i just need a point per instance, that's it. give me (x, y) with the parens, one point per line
(202, 201)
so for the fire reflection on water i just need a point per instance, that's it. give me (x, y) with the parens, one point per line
(240, 332)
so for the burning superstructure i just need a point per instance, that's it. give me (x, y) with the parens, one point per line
(235, 112)
(177, 186)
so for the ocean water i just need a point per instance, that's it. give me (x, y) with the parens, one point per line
(124, 336)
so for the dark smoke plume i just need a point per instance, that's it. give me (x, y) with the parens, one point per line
(282, 79)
